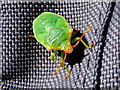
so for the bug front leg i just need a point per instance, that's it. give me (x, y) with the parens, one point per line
(67, 71)
(80, 39)
(61, 64)
(52, 56)
(61, 59)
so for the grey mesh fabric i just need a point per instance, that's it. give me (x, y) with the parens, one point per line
(26, 63)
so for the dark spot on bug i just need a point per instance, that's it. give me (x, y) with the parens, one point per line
(51, 22)
(78, 52)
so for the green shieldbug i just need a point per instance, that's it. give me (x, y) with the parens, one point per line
(54, 33)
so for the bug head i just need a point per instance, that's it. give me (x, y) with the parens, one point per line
(66, 47)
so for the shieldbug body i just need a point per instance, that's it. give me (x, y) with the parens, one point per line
(54, 33)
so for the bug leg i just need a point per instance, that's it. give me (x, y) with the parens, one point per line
(76, 39)
(61, 59)
(86, 44)
(67, 71)
(52, 56)
(61, 64)
(80, 39)
(30, 35)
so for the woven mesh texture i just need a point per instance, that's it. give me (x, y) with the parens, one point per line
(111, 60)
(26, 63)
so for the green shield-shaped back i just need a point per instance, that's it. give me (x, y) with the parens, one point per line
(52, 31)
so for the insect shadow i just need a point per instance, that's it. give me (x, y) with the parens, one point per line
(78, 52)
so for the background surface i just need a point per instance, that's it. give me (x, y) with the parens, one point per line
(25, 62)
